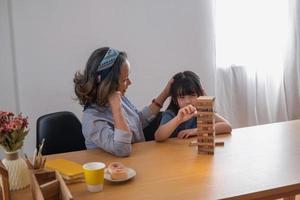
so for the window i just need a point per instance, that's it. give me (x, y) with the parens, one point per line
(251, 33)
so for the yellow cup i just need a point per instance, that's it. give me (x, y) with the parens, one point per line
(94, 176)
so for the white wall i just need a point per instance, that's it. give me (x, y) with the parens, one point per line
(8, 90)
(50, 40)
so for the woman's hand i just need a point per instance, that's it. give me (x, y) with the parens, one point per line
(186, 113)
(161, 98)
(187, 133)
(115, 101)
(167, 89)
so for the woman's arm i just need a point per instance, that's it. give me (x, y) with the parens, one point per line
(99, 132)
(222, 125)
(112, 140)
(158, 102)
(117, 139)
(149, 112)
(119, 120)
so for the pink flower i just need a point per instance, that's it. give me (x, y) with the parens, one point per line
(13, 130)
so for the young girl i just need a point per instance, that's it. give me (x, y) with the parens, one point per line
(179, 119)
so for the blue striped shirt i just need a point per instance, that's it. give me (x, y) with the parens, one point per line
(99, 132)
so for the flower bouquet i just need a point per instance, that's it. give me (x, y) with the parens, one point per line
(13, 130)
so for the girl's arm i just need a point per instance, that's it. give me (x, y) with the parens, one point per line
(222, 125)
(164, 131)
(187, 133)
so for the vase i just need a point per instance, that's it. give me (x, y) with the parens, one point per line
(18, 175)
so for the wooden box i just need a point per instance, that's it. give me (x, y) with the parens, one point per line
(49, 185)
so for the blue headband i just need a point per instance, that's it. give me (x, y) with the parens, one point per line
(106, 63)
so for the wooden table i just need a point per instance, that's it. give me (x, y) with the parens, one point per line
(260, 162)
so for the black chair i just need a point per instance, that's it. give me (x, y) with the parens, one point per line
(152, 127)
(62, 133)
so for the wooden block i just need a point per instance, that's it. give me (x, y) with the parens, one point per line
(210, 121)
(219, 143)
(206, 98)
(204, 151)
(206, 121)
(206, 126)
(206, 140)
(206, 144)
(204, 114)
(201, 148)
(193, 143)
(204, 117)
(206, 130)
(204, 104)
(204, 108)
(205, 133)
(209, 139)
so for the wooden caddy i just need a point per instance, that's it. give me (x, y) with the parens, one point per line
(4, 183)
(205, 124)
(48, 185)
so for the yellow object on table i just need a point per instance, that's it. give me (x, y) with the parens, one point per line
(68, 169)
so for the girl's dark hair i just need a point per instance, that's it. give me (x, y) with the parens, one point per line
(185, 83)
(87, 88)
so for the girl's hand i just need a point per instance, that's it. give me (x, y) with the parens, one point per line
(186, 113)
(115, 101)
(187, 133)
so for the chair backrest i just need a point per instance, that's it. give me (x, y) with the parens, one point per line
(152, 127)
(62, 133)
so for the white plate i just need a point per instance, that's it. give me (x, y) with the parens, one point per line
(130, 172)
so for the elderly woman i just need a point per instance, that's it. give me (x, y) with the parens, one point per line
(110, 121)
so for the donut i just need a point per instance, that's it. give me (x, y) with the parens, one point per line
(117, 171)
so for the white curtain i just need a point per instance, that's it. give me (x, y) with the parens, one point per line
(292, 63)
(257, 76)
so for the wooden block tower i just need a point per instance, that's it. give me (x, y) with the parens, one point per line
(205, 124)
